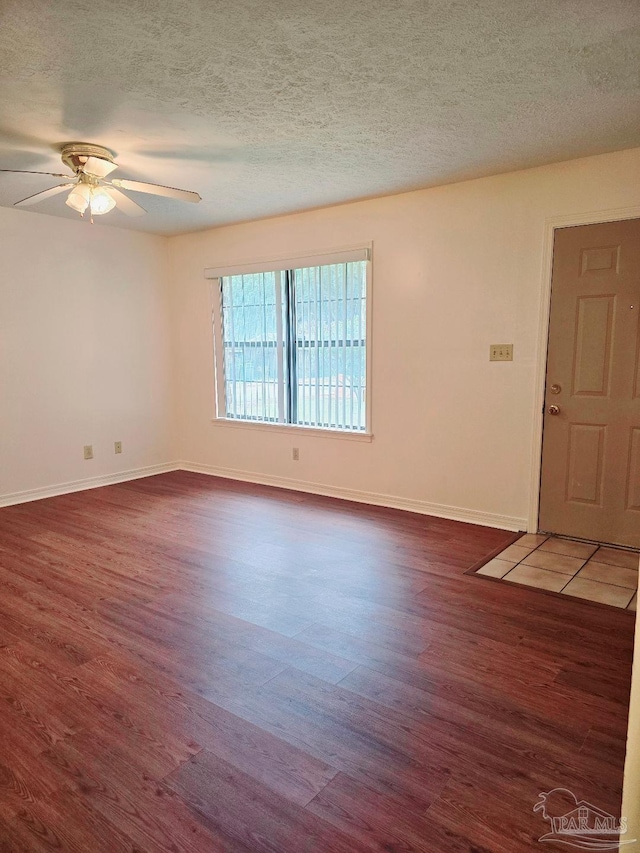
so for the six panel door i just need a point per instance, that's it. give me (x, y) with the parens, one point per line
(590, 484)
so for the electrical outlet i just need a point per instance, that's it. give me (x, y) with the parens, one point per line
(88, 451)
(296, 454)
(501, 352)
(117, 447)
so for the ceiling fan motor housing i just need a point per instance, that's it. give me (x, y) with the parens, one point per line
(75, 154)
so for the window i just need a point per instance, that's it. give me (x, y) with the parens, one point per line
(291, 344)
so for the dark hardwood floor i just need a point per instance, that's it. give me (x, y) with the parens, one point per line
(192, 664)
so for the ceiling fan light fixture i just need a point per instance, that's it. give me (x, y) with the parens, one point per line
(101, 202)
(79, 198)
(91, 165)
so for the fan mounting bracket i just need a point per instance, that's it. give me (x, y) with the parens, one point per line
(75, 154)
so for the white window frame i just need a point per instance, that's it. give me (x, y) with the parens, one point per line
(213, 275)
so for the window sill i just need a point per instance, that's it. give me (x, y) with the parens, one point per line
(316, 432)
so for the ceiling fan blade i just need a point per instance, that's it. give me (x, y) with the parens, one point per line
(157, 189)
(124, 203)
(98, 167)
(29, 172)
(34, 199)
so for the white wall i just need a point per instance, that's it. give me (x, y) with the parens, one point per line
(456, 268)
(84, 351)
(88, 321)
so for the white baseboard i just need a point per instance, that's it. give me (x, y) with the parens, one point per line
(472, 516)
(89, 483)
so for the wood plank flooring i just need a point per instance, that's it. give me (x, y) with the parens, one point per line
(192, 664)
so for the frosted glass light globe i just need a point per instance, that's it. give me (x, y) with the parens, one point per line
(79, 197)
(101, 202)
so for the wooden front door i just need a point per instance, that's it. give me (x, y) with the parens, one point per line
(590, 485)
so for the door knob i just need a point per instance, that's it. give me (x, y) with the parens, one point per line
(554, 410)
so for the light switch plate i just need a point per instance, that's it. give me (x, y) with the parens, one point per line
(501, 352)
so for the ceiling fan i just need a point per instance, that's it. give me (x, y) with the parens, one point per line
(90, 186)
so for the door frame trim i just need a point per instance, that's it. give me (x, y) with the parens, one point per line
(551, 224)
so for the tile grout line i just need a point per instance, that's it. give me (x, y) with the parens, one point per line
(568, 582)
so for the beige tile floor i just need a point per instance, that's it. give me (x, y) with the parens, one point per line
(593, 572)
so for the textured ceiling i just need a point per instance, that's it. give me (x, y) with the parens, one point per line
(271, 106)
